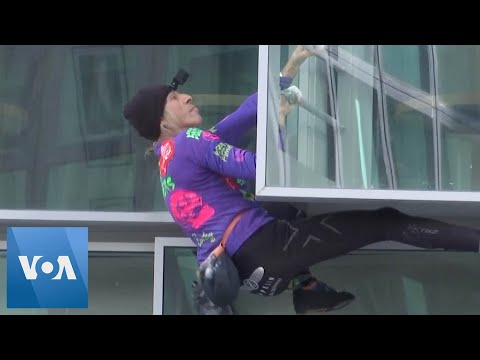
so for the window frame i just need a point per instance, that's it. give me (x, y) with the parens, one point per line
(467, 201)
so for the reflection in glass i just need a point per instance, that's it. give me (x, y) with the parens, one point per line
(458, 84)
(118, 284)
(359, 52)
(64, 144)
(362, 164)
(408, 64)
(407, 119)
(180, 267)
(11, 193)
(384, 283)
(460, 162)
(309, 137)
(100, 79)
(411, 139)
(105, 185)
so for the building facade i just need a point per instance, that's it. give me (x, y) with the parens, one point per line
(380, 124)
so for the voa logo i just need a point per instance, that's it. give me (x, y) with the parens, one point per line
(64, 266)
(47, 267)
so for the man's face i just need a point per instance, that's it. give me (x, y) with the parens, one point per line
(186, 115)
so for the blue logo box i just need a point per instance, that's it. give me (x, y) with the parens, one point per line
(47, 267)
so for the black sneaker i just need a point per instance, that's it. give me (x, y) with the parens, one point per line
(319, 297)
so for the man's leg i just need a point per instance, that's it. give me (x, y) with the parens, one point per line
(318, 238)
(309, 293)
(281, 249)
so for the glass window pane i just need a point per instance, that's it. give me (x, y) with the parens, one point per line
(13, 189)
(384, 283)
(62, 125)
(396, 119)
(362, 52)
(411, 139)
(362, 159)
(334, 138)
(458, 83)
(105, 185)
(307, 160)
(118, 284)
(180, 266)
(460, 162)
(407, 63)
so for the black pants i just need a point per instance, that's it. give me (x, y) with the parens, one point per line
(281, 249)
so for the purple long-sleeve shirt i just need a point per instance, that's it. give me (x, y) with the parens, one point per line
(203, 177)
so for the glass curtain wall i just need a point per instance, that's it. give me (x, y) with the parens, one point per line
(119, 283)
(64, 144)
(384, 282)
(382, 117)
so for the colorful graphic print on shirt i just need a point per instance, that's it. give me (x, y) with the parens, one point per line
(189, 209)
(167, 152)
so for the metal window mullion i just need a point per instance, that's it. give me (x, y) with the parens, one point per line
(384, 127)
(437, 146)
(332, 95)
(433, 70)
(303, 153)
(159, 269)
(261, 142)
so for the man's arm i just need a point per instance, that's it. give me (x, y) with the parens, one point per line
(299, 55)
(223, 158)
(289, 71)
(233, 127)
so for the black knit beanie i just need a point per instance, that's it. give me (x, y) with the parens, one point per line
(145, 109)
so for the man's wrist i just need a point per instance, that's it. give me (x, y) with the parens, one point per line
(285, 81)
